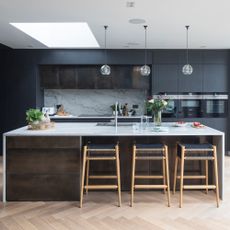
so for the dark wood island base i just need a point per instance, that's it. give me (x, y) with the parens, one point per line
(48, 168)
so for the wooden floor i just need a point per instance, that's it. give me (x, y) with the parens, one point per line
(100, 211)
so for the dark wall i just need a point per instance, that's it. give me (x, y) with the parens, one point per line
(20, 76)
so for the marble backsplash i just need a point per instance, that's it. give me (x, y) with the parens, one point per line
(96, 102)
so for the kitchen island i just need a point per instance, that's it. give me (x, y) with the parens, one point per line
(46, 164)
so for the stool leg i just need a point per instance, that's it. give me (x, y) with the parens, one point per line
(175, 175)
(182, 177)
(133, 174)
(83, 175)
(163, 168)
(87, 176)
(118, 175)
(206, 175)
(167, 174)
(216, 176)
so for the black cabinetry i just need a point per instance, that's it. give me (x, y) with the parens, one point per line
(210, 71)
(89, 77)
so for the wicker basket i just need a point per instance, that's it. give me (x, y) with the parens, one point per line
(41, 126)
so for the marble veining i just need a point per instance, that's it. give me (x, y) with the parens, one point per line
(95, 102)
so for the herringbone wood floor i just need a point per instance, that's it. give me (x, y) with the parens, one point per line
(100, 212)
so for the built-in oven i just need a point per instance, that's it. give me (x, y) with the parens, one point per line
(194, 105)
(190, 105)
(215, 105)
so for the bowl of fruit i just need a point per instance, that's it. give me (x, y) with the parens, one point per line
(197, 125)
(180, 124)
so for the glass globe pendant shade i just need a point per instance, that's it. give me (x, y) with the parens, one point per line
(145, 70)
(105, 70)
(187, 69)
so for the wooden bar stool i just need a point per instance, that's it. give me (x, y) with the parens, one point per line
(98, 152)
(150, 152)
(201, 152)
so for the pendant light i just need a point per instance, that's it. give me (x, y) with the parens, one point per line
(105, 69)
(187, 69)
(145, 69)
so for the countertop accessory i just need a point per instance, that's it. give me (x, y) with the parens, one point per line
(187, 69)
(37, 120)
(105, 69)
(145, 69)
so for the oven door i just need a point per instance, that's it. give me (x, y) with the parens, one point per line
(216, 108)
(190, 108)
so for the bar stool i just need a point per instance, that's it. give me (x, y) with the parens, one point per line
(98, 152)
(150, 152)
(206, 152)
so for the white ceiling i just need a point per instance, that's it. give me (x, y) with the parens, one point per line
(208, 20)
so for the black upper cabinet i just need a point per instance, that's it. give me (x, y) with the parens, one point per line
(193, 82)
(89, 77)
(215, 78)
(165, 78)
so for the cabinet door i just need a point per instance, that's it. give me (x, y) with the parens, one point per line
(49, 77)
(67, 77)
(86, 77)
(193, 82)
(215, 78)
(165, 78)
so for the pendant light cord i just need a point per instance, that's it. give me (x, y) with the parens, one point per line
(105, 45)
(187, 27)
(145, 27)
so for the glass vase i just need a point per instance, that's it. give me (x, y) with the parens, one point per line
(157, 118)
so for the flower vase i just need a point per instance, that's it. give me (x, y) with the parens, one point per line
(157, 118)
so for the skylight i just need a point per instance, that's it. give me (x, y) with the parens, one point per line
(60, 35)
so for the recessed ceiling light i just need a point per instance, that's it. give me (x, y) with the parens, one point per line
(137, 21)
(130, 4)
(203, 46)
(60, 35)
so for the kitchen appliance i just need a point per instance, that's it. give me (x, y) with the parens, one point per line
(215, 105)
(49, 110)
(194, 105)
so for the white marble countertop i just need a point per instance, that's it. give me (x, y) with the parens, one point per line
(92, 116)
(92, 129)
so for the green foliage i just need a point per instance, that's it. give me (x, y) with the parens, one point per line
(113, 107)
(33, 115)
(155, 105)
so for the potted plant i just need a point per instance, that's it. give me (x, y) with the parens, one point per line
(155, 106)
(34, 116)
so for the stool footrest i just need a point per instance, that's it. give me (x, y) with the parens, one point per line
(100, 186)
(137, 186)
(148, 177)
(149, 158)
(198, 158)
(199, 186)
(102, 177)
(101, 158)
(193, 177)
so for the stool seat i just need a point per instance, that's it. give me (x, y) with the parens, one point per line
(100, 146)
(149, 146)
(196, 150)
